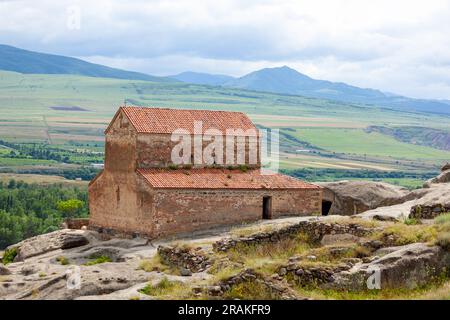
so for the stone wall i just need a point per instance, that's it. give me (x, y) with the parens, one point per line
(75, 223)
(313, 229)
(193, 260)
(182, 211)
(428, 211)
(276, 290)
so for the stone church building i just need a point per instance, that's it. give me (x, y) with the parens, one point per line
(142, 192)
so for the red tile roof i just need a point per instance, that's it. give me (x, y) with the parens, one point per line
(220, 179)
(165, 120)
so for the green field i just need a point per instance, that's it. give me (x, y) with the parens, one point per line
(333, 130)
(357, 141)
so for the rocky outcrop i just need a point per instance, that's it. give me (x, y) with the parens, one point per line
(429, 211)
(409, 267)
(311, 275)
(275, 289)
(194, 260)
(61, 239)
(444, 177)
(445, 167)
(314, 230)
(437, 196)
(4, 271)
(354, 197)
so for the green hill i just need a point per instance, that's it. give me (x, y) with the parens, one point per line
(289, 81)
(29, 62)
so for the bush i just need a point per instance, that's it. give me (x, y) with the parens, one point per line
(164, 287)
(9, 256)
(98, 260)
(63, 260)
(250, 290)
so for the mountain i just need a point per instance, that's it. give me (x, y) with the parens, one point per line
(29, 62)
(202, 78)
(289, 81)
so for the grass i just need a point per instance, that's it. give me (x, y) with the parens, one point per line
(166, 288)
(157, 264)
(357, 141)
(412, 221)
(98, 260)
(439, 289)
(63, 260)
(250, 290)
(404, 234)
(9, 256)
(442, 223)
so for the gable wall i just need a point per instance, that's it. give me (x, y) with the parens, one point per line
(155, 151)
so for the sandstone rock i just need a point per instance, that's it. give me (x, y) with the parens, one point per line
(445, 167)
(332, 239)
(354, 197)
(185, 272)
(384, 218)
(4, 271)
(61, 239)
(408, 267)
(438, 195)
(444, 177)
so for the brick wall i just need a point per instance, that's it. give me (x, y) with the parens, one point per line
(178, 211)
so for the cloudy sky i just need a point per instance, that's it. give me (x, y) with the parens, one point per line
(400, 46)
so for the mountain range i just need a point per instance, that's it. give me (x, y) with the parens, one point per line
(30, 62)
(282, 80)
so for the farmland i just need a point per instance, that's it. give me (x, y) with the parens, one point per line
(66, 115)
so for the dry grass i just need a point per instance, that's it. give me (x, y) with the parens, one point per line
(155, 264)
(443, 228)
(250, 290)
(166, 289)
(440, 290)
(406, 234)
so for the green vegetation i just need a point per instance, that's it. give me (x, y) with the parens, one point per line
(436, 138)
(360, 142)
(27, 210)
(410, 180)
(403, 234)
(411, 221)
(63, 260)
(443, 226)
(9, 255)
(165, 288)
(98, 260)
(70, 208)
(250, 290)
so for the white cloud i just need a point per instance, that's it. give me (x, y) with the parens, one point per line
(398, 46)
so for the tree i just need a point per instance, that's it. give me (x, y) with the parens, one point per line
(70, 208)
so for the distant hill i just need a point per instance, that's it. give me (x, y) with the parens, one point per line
(202, 78)
(29, 62)
(289, 81)
(430, 137)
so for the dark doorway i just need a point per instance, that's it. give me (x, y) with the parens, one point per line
(267, 208)
(326, 206)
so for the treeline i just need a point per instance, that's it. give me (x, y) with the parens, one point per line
(342, 174)
(83, 173)
(45, 152)
(27, 210)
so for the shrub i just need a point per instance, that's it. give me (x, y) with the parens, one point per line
(442, 223)
(250, 290)
(9, 255)
(411, 221)
(165, 287)
(98, 260)
(63, 260)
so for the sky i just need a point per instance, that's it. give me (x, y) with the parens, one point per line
(400, 46)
